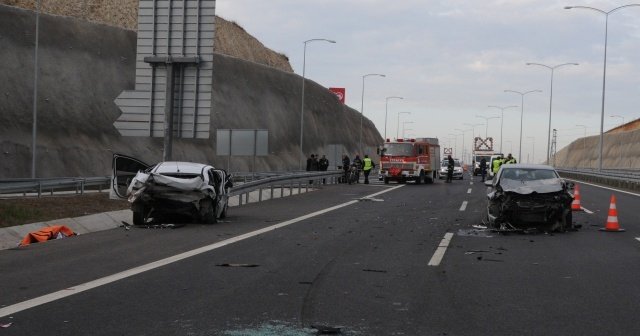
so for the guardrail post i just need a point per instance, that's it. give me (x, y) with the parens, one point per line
(259, 194)
(290, 188)
(271, 191)
(239, 199)
(82, 187)
(40, 189)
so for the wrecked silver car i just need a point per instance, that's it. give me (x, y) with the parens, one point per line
(171, 191)
(529, 197)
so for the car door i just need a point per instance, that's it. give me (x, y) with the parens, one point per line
(124, 168)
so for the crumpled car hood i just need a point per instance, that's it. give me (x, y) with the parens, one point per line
(529, 187)
(178, 189)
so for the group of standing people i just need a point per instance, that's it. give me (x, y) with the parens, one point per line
(315, 164)
(500, 161)
(365, 165)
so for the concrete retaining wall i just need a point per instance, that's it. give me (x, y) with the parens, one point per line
(83, 68)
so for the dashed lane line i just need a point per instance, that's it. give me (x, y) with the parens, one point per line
(463, 206)
(442, 248)
(638, 239)
(18, 307)
(469, 191)
(586, 210)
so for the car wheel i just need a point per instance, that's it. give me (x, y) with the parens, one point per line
(207, 211)
(139, 214)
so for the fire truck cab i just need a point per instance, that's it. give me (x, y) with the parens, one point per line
(410, 160)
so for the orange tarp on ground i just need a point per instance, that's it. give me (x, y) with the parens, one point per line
(47, 233)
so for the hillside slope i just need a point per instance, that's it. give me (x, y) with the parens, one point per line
(230, 38)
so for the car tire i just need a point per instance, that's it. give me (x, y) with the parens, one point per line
(207, 211)
(139, 214)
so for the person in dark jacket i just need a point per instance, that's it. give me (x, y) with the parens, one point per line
(358, 162)
(483, 168)
(345, 166)
(323, 163)
(450, 165)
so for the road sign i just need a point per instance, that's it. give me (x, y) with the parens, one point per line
(172, 95)
(448, 151)
(481, 144)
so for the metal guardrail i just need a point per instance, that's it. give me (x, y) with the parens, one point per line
(244, 182)
(284, 181)
(50, 185)
(621, 178)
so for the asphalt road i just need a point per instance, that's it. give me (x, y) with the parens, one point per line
(364, 258)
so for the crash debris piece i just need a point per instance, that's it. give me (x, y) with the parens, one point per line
(237, 265)
(47, 233)
(327, 330)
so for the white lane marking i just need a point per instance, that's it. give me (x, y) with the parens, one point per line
(442, 248)
(469, 191)
(608, 188)
(586, 210)
(470, 183)
(18, 307)
(463, 206)
(638, 239)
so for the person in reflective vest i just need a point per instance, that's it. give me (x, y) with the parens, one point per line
(367, 166)
(510, 159)
(496, 165)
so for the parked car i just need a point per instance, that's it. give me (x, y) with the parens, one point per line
(523, 197)
(171, 190)
(457, 169)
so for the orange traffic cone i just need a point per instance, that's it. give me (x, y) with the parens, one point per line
(612, 219)
(575, 205)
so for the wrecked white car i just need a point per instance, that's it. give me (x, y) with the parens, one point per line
(171, 191)
(529, 197)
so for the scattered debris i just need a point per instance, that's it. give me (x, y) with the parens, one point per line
(237, 265)
(327, 330)
(6, 325)
(476, 251)
(477, 226)
(374, 270)
(160, 226)
(474, 233)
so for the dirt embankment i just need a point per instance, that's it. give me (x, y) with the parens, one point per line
(230, 39)
(620, 150)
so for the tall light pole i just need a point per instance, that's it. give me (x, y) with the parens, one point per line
(34, 130)
(486, 119)
(386, 109)
(533, 148)
(502, 108)
(522, 94)
(463, 131)
(473, 133)
(362, 107)
(584, 139)
(304, 64)
(604, 72)
(403, 124)
(455, 143)
(552, 68)
(398, 124)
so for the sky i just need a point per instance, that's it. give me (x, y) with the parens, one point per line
(451, 59)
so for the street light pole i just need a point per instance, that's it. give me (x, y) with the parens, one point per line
(604, 71)
(486, 119)
(403, 124)
(398, 124)
(304, 61)
(386, 109)
(463, 131)
(552, 68)
(533, 149)
(362, 108)
(502, 108)
(522, 94)
(34, 130)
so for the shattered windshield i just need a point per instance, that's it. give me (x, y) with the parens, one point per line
(398, 149)
(528, 174)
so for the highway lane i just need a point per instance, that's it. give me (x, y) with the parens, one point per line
(362, 267)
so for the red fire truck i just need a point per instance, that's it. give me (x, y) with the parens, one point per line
(410, 160)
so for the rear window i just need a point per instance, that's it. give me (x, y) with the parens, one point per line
(526, 174)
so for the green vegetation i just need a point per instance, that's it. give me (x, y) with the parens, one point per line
(11, 214)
